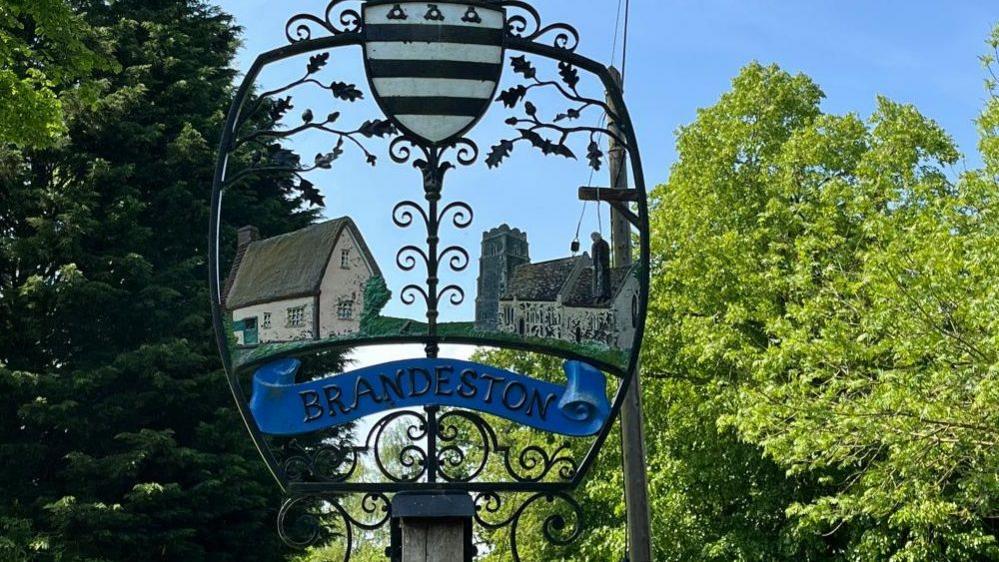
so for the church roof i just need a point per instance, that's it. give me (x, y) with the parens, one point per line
(542, 282)
(291, 265)
(581, 295)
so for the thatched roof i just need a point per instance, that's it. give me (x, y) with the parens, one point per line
(291, 265)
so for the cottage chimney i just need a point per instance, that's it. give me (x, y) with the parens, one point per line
(246, 236)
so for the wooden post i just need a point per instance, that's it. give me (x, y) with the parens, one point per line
(432, 527)
(425, 540)
(632, 419)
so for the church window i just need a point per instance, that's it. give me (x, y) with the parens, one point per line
(345, 259)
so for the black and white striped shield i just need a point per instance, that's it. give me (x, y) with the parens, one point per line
(434, 67)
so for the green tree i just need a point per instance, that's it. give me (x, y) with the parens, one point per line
(887, 368)
(713, 496)
(47, 54)
(829, 290)
(117, 429)
(716, 497)
(376, 296)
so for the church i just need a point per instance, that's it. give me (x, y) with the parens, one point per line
(575, 299)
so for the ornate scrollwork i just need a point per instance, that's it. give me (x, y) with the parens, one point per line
(411, 294)
(320, 463)
(433, 167)
(459, 260)
(401, 149)
(454, 453)
(408, 458)
(535, 464)
(410, 447)
(347, 20)
(461, 432)
(457, 295)
(433, 163)
(405, 213)
(561, 528)
(466, 151)
(398, 444)
(406, 259)
(305, 521)
(463, 215)
(525, 23)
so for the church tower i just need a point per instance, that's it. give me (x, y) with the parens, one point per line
(503, 250)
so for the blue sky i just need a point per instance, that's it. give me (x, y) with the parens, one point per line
(683, 55)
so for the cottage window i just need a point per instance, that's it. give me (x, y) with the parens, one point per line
(345, 310)
(296, 317)
(267, 320)
(345, 259)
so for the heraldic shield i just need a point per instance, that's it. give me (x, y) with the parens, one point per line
(434, 68)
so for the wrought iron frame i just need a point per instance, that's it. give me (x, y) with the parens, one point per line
(523, 35)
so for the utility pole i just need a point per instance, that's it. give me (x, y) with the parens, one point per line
(636, 482)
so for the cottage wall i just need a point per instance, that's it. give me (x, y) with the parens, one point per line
(273, 320)
(341, 297)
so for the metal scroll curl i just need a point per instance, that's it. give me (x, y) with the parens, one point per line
(309, 520)
(525, 23)
(561, 516)
(336, 20)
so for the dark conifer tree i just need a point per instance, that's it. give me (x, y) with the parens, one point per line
(118, 435)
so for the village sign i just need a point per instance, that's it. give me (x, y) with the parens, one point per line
(285, 304)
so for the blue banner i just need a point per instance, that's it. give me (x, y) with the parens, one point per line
(282, 407)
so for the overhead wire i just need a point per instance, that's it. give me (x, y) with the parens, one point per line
(626, 5)
(624, 48)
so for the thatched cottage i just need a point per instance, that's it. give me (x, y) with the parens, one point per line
(304, 285)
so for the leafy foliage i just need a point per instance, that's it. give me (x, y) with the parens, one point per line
(569, 74)
(125, 442)
(549, 137)
(346, 92)
(377, 128)
(546, 146)
(511, 97)
(832, 291)
(376, 296)
(45, 48)
(499, 153)
(317, 62)
(524, 67)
